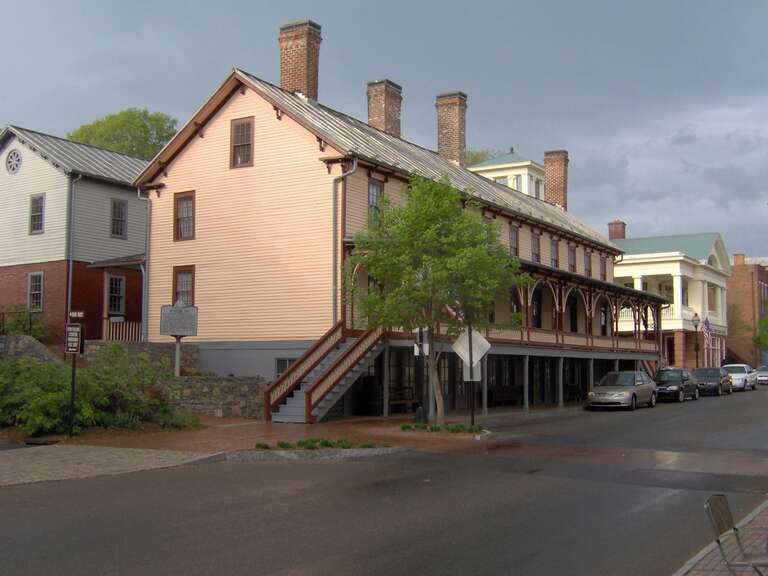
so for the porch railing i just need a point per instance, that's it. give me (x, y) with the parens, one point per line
(333, 375)
(121, 331)
(296, 372)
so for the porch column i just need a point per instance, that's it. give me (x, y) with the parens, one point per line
(526, 403)
(638, 282)
(677, 296)
(616, 365)
(484, 368)
(560, 383)
(591, 372)
(385, 383)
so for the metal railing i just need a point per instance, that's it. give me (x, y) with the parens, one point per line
(296, 372)
(334, 374)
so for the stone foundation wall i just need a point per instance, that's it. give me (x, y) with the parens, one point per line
(219, 396)
(17, 346)
(156, 351)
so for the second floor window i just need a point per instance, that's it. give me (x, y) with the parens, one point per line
(555, 252)
(184, 216)
(538, 188)
(374, 200)
(536, 248)
(503, 180)
(603, 268)
(588, 264)
(119, 221)
(517, 183)
(184, 285)
(37, 214)
(536, 308)
(242, 143)
(514, 241)
(116, 295)
(572, 258)
(35, 292)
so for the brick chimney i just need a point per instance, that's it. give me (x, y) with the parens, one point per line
(452, 126)
(556, 178)
(617, 230)
(300, 57)
(739, 259)
(384, 99)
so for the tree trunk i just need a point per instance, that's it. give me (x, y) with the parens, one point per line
(434, 379)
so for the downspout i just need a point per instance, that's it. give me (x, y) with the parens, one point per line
(71, 241)
(145, 271)
(336, 180)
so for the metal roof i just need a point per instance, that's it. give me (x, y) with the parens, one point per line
(74, 157)
(509, 158)
(697, 246)
(356, 138)
(132, 261)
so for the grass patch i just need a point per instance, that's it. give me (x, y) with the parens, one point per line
(406, 427)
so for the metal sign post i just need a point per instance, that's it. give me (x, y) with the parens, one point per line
(471, 348)
(73, 345)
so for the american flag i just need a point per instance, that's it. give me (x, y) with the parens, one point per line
(707, 329)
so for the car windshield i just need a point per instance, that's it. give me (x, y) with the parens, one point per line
(707, 373)
(669, 375)
(735, 369)
(618, 379)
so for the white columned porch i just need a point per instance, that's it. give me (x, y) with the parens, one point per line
(677, 295)
(638, 282)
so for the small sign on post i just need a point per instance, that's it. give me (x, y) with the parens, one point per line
(73, 344)
(178, 321)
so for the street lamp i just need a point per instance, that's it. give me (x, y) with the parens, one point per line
(695, 322)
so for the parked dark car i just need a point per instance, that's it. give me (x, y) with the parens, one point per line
(676, 384)
(713, 381)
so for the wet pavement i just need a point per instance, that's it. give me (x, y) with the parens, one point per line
(583, 493)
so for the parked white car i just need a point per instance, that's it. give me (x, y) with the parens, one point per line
(762, 375)
(743, 376)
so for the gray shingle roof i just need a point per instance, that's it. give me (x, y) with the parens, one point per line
(359, 139)
(73, 157)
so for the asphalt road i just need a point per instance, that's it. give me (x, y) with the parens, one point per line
(591, 493)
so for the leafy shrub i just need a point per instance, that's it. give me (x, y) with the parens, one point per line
(367, 445)
(420, 426)
(18, 320)
(406, 427)
(343, 444)
(434, 428)
(326, 443)
(283, 445)
(262, 446)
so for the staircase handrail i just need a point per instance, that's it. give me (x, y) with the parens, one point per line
(276, 392)
(328, 380)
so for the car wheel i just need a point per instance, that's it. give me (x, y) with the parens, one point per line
(633, 403)
(681, 396)
(652, 403)
(696, 394)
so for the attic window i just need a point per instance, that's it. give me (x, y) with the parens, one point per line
(242, 143)
(13, 161)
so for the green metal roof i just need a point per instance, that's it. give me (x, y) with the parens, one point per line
(698, 246)
(510, 158)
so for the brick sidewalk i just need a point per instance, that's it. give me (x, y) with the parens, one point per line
(63, 462)
(754, 535)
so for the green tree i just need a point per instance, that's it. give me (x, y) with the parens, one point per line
(475, 155)
(436, 265)
(134, 131)
(761, 334)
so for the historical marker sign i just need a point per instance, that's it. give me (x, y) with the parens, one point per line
(73, 341)
(178, 320)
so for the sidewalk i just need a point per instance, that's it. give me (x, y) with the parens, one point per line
(709, 562)
(64, 462)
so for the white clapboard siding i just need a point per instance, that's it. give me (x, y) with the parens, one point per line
(93, 220)
(36, 176)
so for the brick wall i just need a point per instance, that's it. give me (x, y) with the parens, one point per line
(300, 57)
(744, 308)
(13, 292)
(452, 126)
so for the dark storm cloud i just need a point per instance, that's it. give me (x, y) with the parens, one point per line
(662, 105)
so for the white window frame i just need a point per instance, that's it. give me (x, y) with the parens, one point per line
(112, 204)
(29, 291)
(121, 311)
(32, 199)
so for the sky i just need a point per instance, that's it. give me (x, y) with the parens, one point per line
(662, 105)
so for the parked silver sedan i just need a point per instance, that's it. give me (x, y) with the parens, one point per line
(626, 389)
(762, 375)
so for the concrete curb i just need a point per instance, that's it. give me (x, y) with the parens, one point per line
(688, 566)
(320, 454)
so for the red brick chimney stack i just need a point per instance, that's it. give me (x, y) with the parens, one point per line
(556, 178)
(300, 57)
(452, 126)
(384, 100)
(617, 230)
(739, 259)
